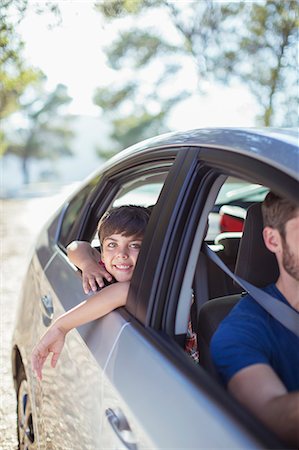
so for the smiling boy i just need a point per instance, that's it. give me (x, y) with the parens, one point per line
(120, 232)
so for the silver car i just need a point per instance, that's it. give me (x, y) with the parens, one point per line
(125, 381)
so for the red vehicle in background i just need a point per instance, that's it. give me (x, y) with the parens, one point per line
(235, 202)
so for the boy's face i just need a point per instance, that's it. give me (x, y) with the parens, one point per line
(119, 254)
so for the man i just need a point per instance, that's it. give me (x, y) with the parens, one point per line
(255, 355)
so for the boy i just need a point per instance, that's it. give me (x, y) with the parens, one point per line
(120, 232)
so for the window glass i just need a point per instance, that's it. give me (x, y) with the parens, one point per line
(142, 191)
(146, 195)
(72, 213)
(233, 200)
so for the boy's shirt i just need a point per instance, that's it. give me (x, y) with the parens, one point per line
(191, 339)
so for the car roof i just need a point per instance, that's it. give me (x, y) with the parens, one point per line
(264, 144)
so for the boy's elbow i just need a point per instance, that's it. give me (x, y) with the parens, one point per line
(72, 247)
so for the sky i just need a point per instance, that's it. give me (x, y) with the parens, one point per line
(72, 54)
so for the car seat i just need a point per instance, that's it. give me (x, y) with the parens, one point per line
(226, 247)
(256, 264)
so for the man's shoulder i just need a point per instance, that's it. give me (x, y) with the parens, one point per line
(248, 306)
(247, 315)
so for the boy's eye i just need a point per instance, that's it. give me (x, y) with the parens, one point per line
(136, 245)
(111, 245)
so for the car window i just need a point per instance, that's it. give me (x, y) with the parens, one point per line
(224, 231)
(72, 211)
(141, 191)
(233, 200)
(146, 195)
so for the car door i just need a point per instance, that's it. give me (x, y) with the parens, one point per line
(69, 400)
(154, 396)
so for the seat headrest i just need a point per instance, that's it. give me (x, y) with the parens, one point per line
(255, 263)
(230, 242)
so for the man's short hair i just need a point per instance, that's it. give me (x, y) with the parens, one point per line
(128, 220)
(277, 211)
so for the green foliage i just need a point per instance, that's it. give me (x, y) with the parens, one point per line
(111, 98)
(132, 129)
(255, 42)
(47, 134)
(119, 8)
(136, 49)
(15, 74)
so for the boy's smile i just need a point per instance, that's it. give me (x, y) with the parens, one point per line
(119, 254)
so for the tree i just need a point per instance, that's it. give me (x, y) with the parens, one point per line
(15, 75)
(255, 42)
(47, 134)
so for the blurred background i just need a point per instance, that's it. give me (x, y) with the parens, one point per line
(82, 80)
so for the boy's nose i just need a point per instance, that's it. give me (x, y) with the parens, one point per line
(123, 253)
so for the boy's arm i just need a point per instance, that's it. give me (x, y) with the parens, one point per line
(260, 390)
(96, 306)
(87, 258)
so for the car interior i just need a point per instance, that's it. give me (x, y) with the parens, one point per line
(251, 253)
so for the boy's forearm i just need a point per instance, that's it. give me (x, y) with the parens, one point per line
(80, 252)
(97, 306)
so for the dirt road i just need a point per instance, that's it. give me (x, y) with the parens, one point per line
(20, 222)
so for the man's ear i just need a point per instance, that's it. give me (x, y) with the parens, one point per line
(272, 239)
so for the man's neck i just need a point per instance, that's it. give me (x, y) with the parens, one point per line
(289, 288)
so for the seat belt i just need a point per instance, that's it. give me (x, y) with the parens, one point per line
(279, 310)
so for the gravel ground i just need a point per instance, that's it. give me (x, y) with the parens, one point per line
(20, 222)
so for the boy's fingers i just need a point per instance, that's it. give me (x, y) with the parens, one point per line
(105, 274)
(39, 374)
(108, 276)
(37, 365)
(54, 359)
(86, 285)
(93, 283)
(100, 281)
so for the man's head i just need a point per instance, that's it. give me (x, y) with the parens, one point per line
(121, 231)
(277, 211)
(281, 232)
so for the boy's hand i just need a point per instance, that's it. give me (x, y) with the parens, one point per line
(51, 342)
(93, 275)
(88, 258)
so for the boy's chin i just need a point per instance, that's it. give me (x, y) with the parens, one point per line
(123, 278)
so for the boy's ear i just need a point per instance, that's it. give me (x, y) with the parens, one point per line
(272, 239)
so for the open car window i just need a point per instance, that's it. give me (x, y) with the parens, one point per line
(143, 191)
(228, 208)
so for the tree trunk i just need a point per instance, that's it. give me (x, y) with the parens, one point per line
(25, 170)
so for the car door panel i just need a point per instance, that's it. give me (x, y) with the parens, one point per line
(78, 406)
(151, 392)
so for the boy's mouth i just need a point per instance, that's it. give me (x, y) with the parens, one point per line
(122, 266)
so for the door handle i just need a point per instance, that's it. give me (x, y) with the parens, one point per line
(121, 428)
(47, 309)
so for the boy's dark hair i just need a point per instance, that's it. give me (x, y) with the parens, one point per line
(277, 211)
(128, 220)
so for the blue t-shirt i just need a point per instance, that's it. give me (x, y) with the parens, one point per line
(249, 335)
